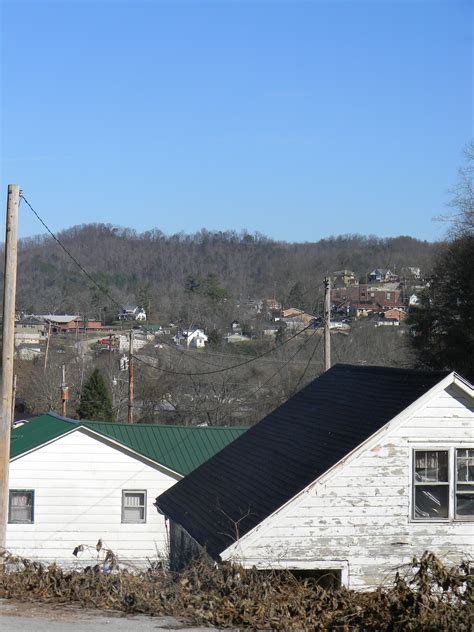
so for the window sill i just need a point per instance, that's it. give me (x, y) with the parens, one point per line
(442, 520)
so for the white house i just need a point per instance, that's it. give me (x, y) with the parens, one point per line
(73, 483)
(194, 338)
(132, 313)
(360, 471)
(236, 337)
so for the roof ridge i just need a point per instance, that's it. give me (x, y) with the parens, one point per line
(168, 426)
(79, 422)
(391, 369)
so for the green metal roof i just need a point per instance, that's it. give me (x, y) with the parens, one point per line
(179, 448)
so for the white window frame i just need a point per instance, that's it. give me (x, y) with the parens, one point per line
(10, 496)
(452, 481)
(134, 491)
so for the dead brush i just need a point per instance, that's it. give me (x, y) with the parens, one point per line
(428, 597)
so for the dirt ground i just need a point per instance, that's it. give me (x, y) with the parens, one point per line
(17, 616)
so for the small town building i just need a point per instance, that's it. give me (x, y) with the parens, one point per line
(360, 471)
(394, 314)
(75, 482)
(236, 337)
(343, 278)
(132, 312)
(191, 338)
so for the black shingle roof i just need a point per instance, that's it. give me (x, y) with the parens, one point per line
(291, 447)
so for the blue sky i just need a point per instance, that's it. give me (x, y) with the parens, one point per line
(296, 119)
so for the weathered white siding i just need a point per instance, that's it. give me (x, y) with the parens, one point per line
(78, 482)
(357, 518)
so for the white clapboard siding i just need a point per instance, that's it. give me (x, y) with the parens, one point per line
(78, 481)
(357, 517)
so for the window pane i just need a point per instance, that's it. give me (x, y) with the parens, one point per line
(465, 487)
(431, 466)
(21, 514)
(465, 465)
(465, 504)
(133, 514)
(431, 501)
(134, 500)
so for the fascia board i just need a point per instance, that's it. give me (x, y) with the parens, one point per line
(42, 445)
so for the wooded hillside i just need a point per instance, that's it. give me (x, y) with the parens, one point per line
(161, 272)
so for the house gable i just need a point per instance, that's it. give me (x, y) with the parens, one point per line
(302, 439)
(176, 449)
(78, 481)
(358, 515)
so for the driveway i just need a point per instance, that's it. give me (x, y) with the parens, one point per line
(16, 616)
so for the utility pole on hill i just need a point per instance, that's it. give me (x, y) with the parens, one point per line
(64, 392)
(327, 323)
(130, 379)
(8, 349)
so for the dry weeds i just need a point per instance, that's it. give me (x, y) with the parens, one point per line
(431, 597)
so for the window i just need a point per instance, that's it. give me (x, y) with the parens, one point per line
(443, 484)
(431, 484)
(133, 506)
(464, 483)
(21, 506)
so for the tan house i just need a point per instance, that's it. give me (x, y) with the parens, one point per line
(299, 314)
(343, 278)
(395, 314)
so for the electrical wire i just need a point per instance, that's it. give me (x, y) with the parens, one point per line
(307, 364)
(224, 369)
(70, 255)
(135, 357)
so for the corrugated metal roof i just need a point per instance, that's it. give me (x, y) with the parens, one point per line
(179, 448)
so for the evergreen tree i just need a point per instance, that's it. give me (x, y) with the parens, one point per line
(95, 399)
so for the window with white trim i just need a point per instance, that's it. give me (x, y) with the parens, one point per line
(464, 483)
(21, 503)
(133, 505)
(443, 484)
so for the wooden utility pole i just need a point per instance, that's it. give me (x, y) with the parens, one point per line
(130, 379)
(64, 393)
(8, 349)
(47, 347)
(327, 323)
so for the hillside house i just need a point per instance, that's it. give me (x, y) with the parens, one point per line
(292, 314)
(73, 482)
(132, 313)
(343, 278)
(395, 314)
(382, 275)
(358, 472)
(235, 338)
(191, 338)
(68, 323)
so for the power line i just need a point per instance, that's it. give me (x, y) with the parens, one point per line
(307, 364)
(104, 291)
(70, 255)
(229, 368)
